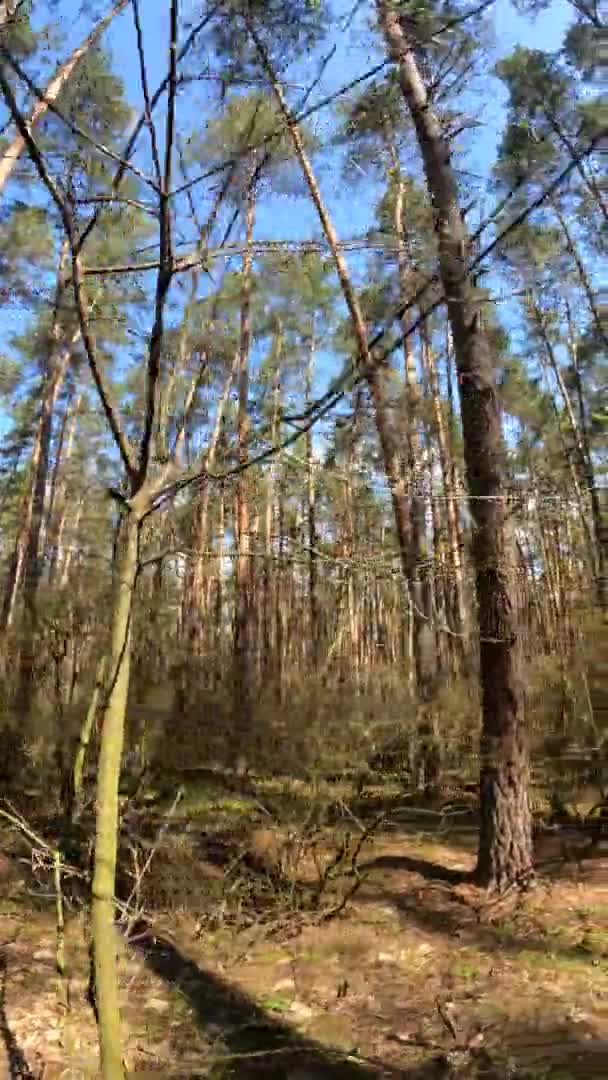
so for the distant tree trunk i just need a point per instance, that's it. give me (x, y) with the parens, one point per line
(583, 469)
(65, 557)
(600, 526)
(193, 605)
(195, 611)
(55, 376)
(596, 314)
(311, 507)
(55, 511)
(458, 606)
(419, 569)
(11, 155)
(268, 607)
(417, 562)
(23, 565)
(243, 645)
(505, 842)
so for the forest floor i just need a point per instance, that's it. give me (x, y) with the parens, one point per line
(419, 976)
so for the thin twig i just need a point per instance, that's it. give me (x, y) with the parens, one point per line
(135, 891)
(165, 270)
(131, 142)
(143, 75)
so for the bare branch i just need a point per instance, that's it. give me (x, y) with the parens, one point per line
(451, 24)
(76, 129)
(278, 131)
(204, 231)
(171, 101)
(108, 405)
(47, 97)
(129, 148)
(143, 74)
(120, 200)
(165, 271)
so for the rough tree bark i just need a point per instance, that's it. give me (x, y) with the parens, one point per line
(505, 841)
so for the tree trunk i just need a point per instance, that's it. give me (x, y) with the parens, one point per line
(194, 609)
(243, 645)
(505, 841)
(417, 568)
(219, 588)
(24, 560)
(75, 800)
(572, 249)
(268, 607)
(458, 606)
(311, 508)
(11, 156)
(106, 832)
(600, 529)
(583, 458)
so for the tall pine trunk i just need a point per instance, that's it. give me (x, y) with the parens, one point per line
(243, 673)
(24, 567)
(505, 841)
(311, 518)
(377, 378)
(458, 606)
(417, 563)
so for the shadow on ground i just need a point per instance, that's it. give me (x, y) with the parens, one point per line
(430, 871)
(438, 909)
(255, 1044)
(12, 1060)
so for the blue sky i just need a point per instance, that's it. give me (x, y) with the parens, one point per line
(355, 52)
(283, 217)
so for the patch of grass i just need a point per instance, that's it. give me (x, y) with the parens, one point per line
(277, 1003)
(311, 955)
(200, 798)
(270, 955)
(465, 970)
(553, 961)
